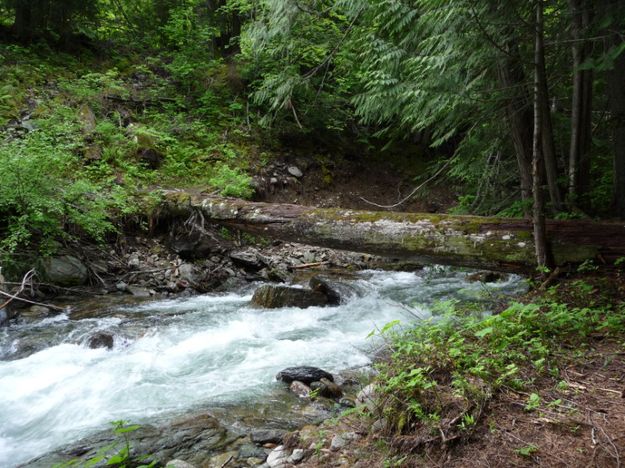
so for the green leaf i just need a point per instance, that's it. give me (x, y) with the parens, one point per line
(484, 331)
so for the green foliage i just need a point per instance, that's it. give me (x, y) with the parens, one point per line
(471, 358)
(527, 451)
(117, 454)
(46, 192)
(232, 182)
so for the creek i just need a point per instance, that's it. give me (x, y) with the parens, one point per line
(171, 357)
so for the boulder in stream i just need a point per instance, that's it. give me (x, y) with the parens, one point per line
(100, 340)
(322, 285)
(274, 297)
(304, 374)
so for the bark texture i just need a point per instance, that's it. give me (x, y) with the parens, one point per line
(473, 241)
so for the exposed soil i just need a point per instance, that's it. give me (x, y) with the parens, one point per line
(354, 184)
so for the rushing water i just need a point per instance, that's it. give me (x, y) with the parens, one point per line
(172, 355)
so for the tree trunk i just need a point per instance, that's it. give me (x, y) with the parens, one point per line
(518, 115)
(581, 108)
(22, 24)
(538, 213)
(472, 241)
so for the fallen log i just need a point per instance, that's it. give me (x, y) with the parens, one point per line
(503, 244)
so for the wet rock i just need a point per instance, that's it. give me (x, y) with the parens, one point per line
(100, 340)
(251, 451)
(138, 292)
(193, 439)
(273, 297)
(121, 286)
(179, 464)
(35, 312)
(326, 388)
(322, 285)
(305, 374)
(265, 436)
(4, 316)
(486, 277)
(300, 389)
(65, 270)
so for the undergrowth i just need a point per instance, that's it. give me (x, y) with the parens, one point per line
(437, 382)
(85, 139)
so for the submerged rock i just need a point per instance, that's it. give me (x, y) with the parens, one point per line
(486, 277)
(273, 297)
(304, 374)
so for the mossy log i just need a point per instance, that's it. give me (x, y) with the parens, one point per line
(503, 244)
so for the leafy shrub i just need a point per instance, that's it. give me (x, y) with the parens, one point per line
(232, 182)
(447, 370)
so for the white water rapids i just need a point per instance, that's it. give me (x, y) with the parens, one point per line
(171, 355)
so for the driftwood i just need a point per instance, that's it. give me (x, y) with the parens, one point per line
(503, 244)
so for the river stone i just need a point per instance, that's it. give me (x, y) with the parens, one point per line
(305, 374)
(322, 285)
(485, 277)
(327, 389)
(65, 270)
(100, 340)
(265, 436)
(138, 292)
(368, 396)
(300, 389)
(193, 439)
(251, 451)
(35, 312)
(273, 297)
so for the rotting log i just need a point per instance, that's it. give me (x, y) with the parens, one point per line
(504, 244)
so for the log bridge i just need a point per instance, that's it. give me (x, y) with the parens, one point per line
(502, 244)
